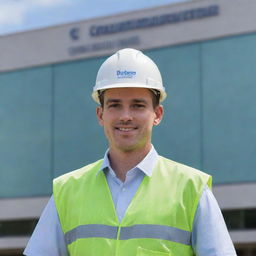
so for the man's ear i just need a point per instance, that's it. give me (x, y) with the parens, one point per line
(99, 113)
(159, 112)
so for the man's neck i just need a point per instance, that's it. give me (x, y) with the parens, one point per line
(123, 161)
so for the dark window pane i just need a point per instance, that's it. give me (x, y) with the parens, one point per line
(241, 252)
(17, 227)
(240, 219)
(233, 219)
(250, 218)
(12, 252)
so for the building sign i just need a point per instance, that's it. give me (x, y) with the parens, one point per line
(104, 45)
(169, 18)
(128, 25)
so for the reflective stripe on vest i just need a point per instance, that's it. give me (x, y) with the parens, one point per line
(91, 230)
(137, 231)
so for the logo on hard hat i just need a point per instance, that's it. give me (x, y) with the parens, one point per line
(125, 74)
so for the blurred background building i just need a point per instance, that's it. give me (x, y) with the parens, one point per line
(206, 52)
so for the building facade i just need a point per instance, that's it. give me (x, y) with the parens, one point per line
(205, 50)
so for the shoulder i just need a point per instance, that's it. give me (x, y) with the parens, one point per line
(184, 171)
(79, 173)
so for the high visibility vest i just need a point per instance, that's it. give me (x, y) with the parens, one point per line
(158, 221)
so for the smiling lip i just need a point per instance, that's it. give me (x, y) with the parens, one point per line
(126, 129)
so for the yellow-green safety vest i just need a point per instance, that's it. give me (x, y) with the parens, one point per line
(158, 221)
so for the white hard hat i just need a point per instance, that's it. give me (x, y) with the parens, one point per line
(128, 68)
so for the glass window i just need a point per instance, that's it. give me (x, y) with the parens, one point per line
(17, 227)
(240, 219)
(250, 219)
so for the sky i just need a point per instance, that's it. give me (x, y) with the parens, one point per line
(22, 15)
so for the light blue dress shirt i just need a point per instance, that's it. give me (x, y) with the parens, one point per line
(209, 235)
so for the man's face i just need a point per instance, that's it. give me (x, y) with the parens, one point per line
(128, 116)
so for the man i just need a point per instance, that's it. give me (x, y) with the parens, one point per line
(133, 202)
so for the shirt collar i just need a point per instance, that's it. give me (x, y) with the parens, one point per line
(146, 165)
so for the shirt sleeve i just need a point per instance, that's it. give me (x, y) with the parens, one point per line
(47, 238)
(210, 235)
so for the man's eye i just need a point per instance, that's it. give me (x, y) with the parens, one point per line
(115, 105)
(138, 106)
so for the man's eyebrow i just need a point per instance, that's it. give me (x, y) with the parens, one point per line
(113, 101)
(109, 101)
(140, 101)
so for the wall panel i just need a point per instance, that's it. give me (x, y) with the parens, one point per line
(25, 132)
(229, 107)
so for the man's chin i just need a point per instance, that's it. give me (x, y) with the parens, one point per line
(128, 148)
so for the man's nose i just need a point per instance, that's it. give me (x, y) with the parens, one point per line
(126, 115)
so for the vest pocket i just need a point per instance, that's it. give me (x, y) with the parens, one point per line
(145, 252)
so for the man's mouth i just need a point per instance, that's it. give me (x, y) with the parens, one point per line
(126, 129)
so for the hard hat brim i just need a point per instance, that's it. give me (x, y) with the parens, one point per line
(95, 94)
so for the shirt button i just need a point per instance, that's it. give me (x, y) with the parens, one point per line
(123, 189)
